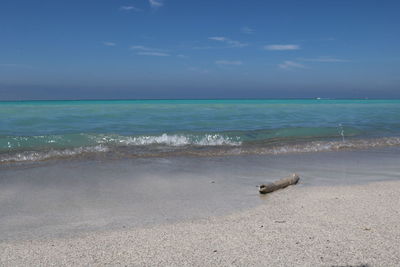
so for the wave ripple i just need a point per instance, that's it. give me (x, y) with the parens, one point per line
(178, 145)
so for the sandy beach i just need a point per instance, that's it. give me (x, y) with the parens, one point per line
(298, 226)
(200, 133)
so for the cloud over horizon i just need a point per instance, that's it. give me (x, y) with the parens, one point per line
(129, 8)
(325, 59)
(288, 65)
(149, 51)
(146, 48)
(156, 3)
(281, 47)
(154, 54)
(228, 41)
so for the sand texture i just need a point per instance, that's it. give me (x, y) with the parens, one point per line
(296, 226)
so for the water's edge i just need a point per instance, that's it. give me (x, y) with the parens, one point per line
(45, 130)
(166, 146)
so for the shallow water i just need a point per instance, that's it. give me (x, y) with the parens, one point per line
(42, 130)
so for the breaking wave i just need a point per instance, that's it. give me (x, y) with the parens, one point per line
(180, 145)
(44, 155)
(171, 140)
(38, 148)
(322, 146)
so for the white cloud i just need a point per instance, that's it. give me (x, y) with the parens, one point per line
(149, 51)
(109, 44)
(154, 54)
(325, 59)
(287, 65)
(145, 48)
(140, 47)
(231, 43)
(229, 62)
(247, 30)
(130, 8)
(217, 38)
(156, 3)
(282, 47)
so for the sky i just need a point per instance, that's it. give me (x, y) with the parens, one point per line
(124, 49)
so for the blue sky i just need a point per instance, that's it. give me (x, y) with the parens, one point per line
(53, 49)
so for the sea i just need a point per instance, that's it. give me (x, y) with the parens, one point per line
(33, 131)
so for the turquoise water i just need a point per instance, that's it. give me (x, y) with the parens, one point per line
(37, 130)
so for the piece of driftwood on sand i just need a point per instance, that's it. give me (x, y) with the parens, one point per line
(282, 183)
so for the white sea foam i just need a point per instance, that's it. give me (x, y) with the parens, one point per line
(172, 140)
(321, 146)
(43, 155)
(183, 144)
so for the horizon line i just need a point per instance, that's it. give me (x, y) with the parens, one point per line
(202, 99)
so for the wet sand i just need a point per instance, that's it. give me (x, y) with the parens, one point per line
(56, 199)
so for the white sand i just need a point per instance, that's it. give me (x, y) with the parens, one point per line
(306, 226)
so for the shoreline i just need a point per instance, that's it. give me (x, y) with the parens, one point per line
(322, 225)
(192, 145)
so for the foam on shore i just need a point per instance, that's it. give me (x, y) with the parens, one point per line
(180, 145)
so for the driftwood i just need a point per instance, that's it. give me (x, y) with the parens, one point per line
(282, 183)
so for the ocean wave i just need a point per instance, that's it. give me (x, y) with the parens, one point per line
(10, 143)
(322, 146)
(45, 155)
(170, 140)
(211, 145)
